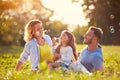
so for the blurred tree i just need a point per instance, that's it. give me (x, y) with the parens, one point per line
(14, 14)
(106, 15)
(7, 21)
(54, 28)
(79, 33)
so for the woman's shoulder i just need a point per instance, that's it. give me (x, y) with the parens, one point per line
(48, 39)
(31, 42)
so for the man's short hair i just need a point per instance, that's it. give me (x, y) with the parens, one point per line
(97, 31)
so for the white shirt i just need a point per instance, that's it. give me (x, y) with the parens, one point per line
(66, 55)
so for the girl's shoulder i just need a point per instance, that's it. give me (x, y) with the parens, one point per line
(68, 47)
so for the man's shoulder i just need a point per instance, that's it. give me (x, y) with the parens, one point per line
(97, 54)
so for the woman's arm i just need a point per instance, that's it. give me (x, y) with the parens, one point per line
(22, 58)
(18, 66)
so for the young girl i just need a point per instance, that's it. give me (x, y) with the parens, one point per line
(64, 51)
(33, 36)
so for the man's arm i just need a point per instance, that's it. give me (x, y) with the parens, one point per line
(99, 69)
(98, 63)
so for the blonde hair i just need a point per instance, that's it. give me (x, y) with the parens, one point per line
(29, 28)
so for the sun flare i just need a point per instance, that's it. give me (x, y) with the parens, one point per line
(66, 11)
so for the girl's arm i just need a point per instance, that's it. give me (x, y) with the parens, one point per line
(56, 56)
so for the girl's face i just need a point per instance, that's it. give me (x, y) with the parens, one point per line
(64, 38)
(38, 30)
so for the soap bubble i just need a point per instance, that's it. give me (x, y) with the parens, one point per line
(112, 16)
(112, 30)
(3, 24)
(15, 23)
(119, 23)
(21, 32)
(91, 7)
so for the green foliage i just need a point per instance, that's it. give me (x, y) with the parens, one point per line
(54, 28)
(79, 33)
(106, 15)
(8, 4)
(10, 54)
(15, 15)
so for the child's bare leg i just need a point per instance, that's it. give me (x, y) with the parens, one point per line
(53, 65)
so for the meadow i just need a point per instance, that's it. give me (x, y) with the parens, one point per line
(10, 54)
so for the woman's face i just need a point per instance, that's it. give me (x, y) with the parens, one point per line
(64, 38)
(38, 30)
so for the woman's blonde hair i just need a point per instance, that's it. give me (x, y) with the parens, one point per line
(29, 28)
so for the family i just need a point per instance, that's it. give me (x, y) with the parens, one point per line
(89, 60)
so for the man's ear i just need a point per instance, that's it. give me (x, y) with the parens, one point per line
(95, 38)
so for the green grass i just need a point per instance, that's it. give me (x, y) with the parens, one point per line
(10, 54)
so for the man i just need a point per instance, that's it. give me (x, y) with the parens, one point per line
(91, 56)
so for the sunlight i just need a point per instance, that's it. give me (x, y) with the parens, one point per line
(66, 11)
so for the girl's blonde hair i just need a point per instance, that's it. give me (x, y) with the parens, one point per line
(29, 28)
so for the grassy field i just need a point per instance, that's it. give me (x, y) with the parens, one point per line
(10, 54)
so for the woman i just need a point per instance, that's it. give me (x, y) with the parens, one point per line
(33, 36)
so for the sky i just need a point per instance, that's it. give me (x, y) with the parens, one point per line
(66, 11)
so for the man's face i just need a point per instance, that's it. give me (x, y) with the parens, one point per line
(88, 37)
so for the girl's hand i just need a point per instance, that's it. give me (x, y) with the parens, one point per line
(56, 56)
